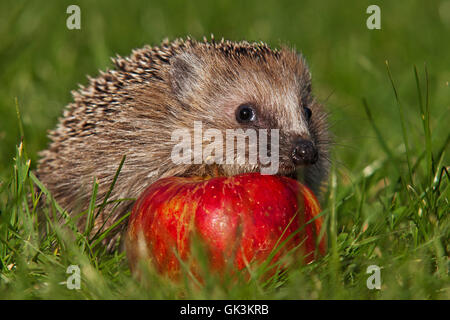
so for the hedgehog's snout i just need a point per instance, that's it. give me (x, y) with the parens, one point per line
(304, 152)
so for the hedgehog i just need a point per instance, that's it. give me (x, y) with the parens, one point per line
(132, 109)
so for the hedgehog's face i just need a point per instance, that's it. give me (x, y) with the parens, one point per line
(265, 102)
(296, 146)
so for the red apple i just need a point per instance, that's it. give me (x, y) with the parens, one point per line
(241, 217)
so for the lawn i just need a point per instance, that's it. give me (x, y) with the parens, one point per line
(388, 94)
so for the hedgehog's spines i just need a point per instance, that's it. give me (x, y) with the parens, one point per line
(145, 64)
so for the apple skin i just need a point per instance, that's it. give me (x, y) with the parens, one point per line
(241, 217)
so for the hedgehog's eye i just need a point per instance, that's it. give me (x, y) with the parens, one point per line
(245, 113)
(308, 113)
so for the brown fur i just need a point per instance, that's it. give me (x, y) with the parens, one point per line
(133, 109)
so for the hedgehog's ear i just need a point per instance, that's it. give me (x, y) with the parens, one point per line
(185, 71)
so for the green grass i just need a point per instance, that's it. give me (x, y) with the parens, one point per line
(387, 202)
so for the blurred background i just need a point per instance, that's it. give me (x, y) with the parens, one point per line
(41, 61)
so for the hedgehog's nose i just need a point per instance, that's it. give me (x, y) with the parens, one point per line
(304, 153)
